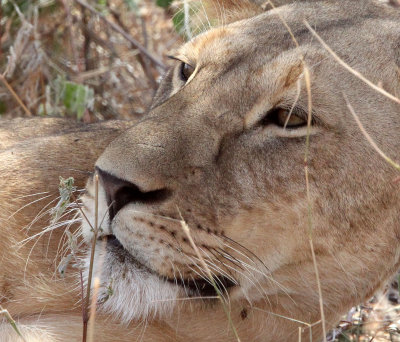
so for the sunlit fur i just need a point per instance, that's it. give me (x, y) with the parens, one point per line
(234, 179)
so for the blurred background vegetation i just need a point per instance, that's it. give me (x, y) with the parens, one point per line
(85, 59)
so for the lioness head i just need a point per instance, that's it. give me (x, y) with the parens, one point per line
(223, 153)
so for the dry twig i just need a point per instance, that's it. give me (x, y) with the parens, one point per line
(125, 34)
(15, 95)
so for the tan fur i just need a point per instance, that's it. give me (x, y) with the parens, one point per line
(238, 185)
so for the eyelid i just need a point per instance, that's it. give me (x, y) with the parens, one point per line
(181, 59)
(173, 57)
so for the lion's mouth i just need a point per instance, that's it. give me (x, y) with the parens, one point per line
(201, 287)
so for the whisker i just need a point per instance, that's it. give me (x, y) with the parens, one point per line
(217, 268)
(45, 210)
(27, 205)
(246, 249)
(247, 275)
(31, 195)
(266, 276)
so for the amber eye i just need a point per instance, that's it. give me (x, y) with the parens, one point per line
(284, 118)
(186, 71)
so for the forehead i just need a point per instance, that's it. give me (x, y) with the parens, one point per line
(273, 31)
(244, 35)
(224, 40)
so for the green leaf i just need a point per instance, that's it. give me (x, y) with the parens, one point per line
(77, 98)
(163, 3)
(179, 21)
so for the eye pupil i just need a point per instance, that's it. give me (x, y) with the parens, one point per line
(186, 71)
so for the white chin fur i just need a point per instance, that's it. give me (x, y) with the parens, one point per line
(129, 292)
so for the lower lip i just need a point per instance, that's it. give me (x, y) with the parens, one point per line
(199, 287)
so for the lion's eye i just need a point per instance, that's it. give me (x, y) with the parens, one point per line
(186, 71)
(284, 118)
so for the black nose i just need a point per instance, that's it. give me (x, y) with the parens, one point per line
(120, 192)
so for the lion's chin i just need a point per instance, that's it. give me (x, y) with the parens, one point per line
(128, 291)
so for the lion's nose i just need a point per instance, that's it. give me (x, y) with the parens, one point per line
(120, 192)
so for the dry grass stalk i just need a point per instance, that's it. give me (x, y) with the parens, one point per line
(309, 121)
(309, 205)
(368, 137)
(92, 252)
(186, 230)
(93, 306)
(349, 68)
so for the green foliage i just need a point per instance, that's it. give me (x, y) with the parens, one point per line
(77, 98)
(101, 6)
(179, 21)
(189, 20)
(66, 189)
(67, 97)
(164, 3)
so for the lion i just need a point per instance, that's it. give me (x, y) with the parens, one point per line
(246, 205)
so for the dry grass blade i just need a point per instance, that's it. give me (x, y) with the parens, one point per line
(368, 137)
(309, 121)
(310, 224)
(11, 321)
(349, 68)
(96, 286)
(269, 2)
(94, 240)
(186, 230)
(309, 325)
